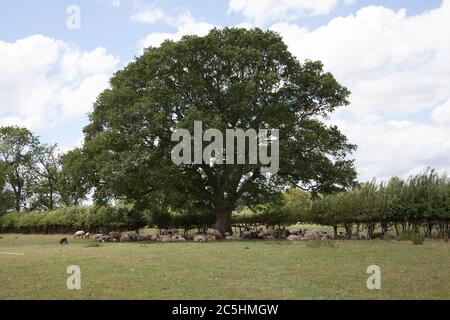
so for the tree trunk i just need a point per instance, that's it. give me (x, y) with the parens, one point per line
(348, 231)
(223, 221)
(335, 228)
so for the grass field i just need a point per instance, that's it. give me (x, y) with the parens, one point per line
(34, 267)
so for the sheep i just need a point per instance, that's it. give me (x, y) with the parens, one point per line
(155, 237)
(79, 234)
(200, 238)
(266, 233)
(234, 236)
(210, 237)
(98, 237)
(63, 241)
(173, 231)
(214, 232)
(129, 236)
(144, 237)
(115, 236)
(312, 236)
(164, 232)
(166, 239)
(293, 237)
(105, 238)
(326, 237)
(377, 235)
(177, 237)
(87, 235)
(189, 237)
(246, 235)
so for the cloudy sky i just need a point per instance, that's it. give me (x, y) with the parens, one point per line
(393, 55)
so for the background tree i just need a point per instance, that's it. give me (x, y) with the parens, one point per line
(6, 196)
(46, 171)
(229, 79)
(17, 152)
(73, 179)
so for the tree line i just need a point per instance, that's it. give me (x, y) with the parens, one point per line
(420, 203)
(34, 176)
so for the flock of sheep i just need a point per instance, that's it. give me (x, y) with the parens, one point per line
(173, 235)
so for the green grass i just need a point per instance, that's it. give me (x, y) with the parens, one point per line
(222, 270)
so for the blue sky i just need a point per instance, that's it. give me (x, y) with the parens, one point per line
(393, 56)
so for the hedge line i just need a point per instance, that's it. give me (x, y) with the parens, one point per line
(69, 219)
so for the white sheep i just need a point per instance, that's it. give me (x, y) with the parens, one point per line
(294, 237)
(177, 237)
(79, 234)
(98, 237)
(200, 238)
(214, 232)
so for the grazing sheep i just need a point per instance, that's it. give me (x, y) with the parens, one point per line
(98, 237)
(115, 236)
(293, 237)
(200, 238)
(63, 241)
(214, 232)
(105, 238)
(79, 234)
(87, 235)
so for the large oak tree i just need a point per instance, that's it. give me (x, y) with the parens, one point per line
(231, 78)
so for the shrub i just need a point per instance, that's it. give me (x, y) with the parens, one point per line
(417, 238)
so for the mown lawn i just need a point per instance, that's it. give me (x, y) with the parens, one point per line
(222, 270)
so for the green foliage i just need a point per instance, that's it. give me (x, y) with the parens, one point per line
(74, 218)
(417, 238)
(293, 206)
(231, 78)
(17, 153)
(421, 200)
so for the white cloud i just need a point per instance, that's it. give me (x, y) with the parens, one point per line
(44, 81)
(184, 23)
(396, 66)
(262, 11)
(441, 114)
(151, 14)
(114, 3)
(393, 63)
(398, 148)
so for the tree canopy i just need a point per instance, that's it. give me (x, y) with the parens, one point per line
(230, 78)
